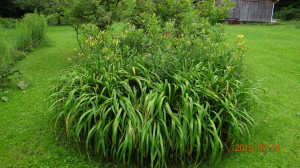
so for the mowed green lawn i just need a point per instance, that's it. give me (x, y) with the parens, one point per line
(26, 139)
(273, 57)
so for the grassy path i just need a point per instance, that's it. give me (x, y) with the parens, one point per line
(274, 57)
(25, 139)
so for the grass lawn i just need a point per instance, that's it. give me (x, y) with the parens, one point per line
(273, 56)
(26, 140)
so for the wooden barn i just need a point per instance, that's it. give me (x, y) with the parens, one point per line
(253, 10)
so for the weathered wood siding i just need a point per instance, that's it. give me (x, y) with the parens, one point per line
(253, 10)
(235, 14)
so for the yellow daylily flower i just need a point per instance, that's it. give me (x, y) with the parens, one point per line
(240, 36)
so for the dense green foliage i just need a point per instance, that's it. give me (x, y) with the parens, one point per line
(215, 11)
(8, 57)
(103, 13)
(56, 19)
(285, 3)
(5, 65)
(43, 6)
(174, 10)
(158, 90)
(288, 13)
(9, 9)
(99, 12)
(18, 8)
(291, 12)
(31, 32)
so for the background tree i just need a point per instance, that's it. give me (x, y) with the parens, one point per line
(285, 3)
(100, 13)
(31, 5)
(17, 8)
(287, 10)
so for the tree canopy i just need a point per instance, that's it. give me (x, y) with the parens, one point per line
(17, 8)
(9, 9)
(286, 3)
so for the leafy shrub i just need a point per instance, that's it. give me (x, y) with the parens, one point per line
(6, 75)
(103, 13)
(164, 9)
(8, 23)
(159, 48)
(215, 10)
(157, 92)
(5, 65)
(15, 54)
(99, 12)
(56, 19)
(31, 32)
